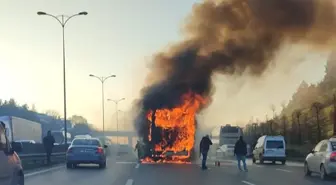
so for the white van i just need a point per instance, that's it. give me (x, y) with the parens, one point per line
(270, 148)
(11, 172)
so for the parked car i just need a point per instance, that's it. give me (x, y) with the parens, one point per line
(86, 151)
(322, 159)
(270, 148)
(11, 171)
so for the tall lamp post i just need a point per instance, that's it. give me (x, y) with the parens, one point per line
(116, 103)
(63, 20)
(102, 80)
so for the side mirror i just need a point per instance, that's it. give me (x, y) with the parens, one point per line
(17, 147)
(105, 146)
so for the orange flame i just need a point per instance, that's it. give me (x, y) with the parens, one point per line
(181, 119)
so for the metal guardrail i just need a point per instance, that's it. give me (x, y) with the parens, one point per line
(30, 161)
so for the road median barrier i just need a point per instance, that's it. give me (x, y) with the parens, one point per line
(34, 156)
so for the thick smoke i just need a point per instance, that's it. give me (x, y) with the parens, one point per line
(232, 37)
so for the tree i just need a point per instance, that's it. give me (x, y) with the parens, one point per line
(75, 119)
(297, 114)
(12, 102)
(33, 108)
(53, 114)
(25, 107)
(284, 124)
(317, 106)
(273, 110)
(81, 129)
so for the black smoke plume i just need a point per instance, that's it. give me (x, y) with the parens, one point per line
(232, 37)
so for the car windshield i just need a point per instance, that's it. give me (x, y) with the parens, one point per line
(333, 145)
(274, 144)
(93, 142)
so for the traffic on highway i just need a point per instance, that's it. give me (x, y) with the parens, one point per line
(196, 111)
(124, 170)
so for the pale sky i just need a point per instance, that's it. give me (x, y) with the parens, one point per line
(116, 37)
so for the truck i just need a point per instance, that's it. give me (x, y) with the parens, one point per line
(22, 129)
(60, 137)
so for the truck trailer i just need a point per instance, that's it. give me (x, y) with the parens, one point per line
(22, 129)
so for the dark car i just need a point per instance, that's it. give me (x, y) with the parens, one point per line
(86, 151)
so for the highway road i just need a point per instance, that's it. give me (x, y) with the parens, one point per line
(125, 171)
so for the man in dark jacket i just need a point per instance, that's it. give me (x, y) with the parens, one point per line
(240, 152)
(138, 147)
(48, 142)
(204, 149)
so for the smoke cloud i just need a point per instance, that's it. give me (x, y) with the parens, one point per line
(232, 37)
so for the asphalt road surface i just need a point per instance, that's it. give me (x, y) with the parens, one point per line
(124, 170)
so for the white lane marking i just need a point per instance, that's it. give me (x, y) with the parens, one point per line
(248, 183)
(129, 182)
(137, 166)
(283, 170)
(125, 162)
(43, 171)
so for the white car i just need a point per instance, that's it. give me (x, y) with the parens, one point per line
(11, 172)
(270, 148)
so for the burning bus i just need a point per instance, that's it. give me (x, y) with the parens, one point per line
(170, 134)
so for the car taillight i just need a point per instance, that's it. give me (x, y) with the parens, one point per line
(100, 150)
(333, 157)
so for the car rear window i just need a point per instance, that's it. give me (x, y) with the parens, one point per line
(86, 142)
(274, 144)
(333, 146)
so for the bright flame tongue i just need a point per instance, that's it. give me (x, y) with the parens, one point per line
(180, 120)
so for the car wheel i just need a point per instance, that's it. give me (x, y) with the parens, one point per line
(306, 169)
(253, 160)
(323, 173)
(273, 162)
(103, 165)
(283, 162)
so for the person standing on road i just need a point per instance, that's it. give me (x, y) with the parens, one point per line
(204, 149)
(139, 150)
(48, 142)
(240, 151)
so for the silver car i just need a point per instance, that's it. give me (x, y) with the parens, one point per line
(322, 159)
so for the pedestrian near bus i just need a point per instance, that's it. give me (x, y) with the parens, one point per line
(240, 151)
(204, 149)
(48, 142)
(138, 148)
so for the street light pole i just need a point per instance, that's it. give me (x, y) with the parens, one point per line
(102, 80)
(116, 108)
(63, 20)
